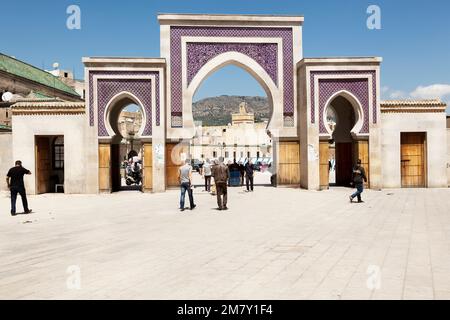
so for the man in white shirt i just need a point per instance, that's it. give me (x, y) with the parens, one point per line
(207, 175)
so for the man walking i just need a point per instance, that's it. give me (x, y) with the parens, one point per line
(14, 180)
(206, 170)
(185, 178)
(359, 177)
(249, 171)
(221, 175)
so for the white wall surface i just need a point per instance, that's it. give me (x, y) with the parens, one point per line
(434, 124)
(79, 149)
(6, 159)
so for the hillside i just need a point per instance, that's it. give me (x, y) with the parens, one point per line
(216, 111)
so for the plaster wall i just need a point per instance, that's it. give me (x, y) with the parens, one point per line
(80, 150)
(436, 141)
(6, 159)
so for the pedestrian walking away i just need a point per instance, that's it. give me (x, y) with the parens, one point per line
(242, 173)
(221, 175)
(14, 181)
(185, 178)
(358, 177)
(206, 171)
(249, 173)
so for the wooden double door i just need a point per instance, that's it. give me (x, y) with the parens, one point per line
(109, 166)
(346, 155)
(413, 159)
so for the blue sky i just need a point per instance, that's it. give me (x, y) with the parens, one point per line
(414, 40)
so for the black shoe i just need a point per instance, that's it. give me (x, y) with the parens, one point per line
(193, 207)
(220, 209)
(351, 199)
(13, 214)
(181, 209)
(361, 201)
(225, 208)
(28, 211)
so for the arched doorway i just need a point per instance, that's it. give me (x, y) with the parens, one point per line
(237, 119)
(343, 119)
(125, 121)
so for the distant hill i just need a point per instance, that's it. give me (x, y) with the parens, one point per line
(216, 111)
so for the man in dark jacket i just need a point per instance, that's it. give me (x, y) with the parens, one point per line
(358, 177)
(241, 173)
(249, 171)
(221, 175)
(14, 180)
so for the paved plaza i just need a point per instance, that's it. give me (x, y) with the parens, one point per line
(274, 243)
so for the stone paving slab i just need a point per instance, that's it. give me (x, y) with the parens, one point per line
(274, 243)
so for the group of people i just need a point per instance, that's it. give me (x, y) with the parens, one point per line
(218, 171)
(246, 171)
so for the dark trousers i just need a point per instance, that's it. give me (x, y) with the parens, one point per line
(249, 182)
(359, 190)
(23, 195)
(242, 179)
(186, 186)
(208, 183)
(221, 190)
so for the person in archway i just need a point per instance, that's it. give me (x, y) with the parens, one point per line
(249, 173)
(241, 173)
(221, 175)
(14, 180)
(358, 177)
(206, 171)
(185, 178)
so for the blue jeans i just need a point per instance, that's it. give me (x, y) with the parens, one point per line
(23, 195)
(359, 190)
(186, 186)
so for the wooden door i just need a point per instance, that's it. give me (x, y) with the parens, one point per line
(174, 159)
(344, 163)
(43, 165)
(148, 168)
(413, 159)
(288, 171)
(324, 169)
(104, 169)
(362, 153)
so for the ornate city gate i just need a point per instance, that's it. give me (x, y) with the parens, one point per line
(300, 92)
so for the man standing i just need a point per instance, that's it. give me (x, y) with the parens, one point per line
(249, 170)
(359, 177)
(221, 175)
(14, 180)
(185, 178)
(206, 170)
(241, 173)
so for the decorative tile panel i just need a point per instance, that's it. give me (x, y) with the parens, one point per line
(176, 32)
(357, 86)
(108, 88)
(199, 53)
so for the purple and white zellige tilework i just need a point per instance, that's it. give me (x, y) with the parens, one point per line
(358, 87)
(199, 53)
(338, 84)
(108, 88)
(176, 32)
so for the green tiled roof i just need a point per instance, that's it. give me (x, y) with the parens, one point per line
(27, 71)
(3, 127)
